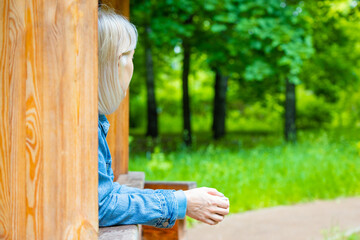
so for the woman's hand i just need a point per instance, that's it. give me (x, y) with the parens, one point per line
(206, 205)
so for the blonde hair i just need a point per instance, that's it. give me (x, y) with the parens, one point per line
(116, 36)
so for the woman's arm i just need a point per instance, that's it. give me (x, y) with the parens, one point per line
(159, 209)
(119, 204)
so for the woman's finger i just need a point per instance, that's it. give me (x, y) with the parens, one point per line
(221, 202)
(216, 218)
(210, 221)
(221, 211)
(214, 192)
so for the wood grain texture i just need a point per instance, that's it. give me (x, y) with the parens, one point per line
(118, 136)
(175, 185)
(174, 233)
(125, 232)
(48, 147)
(121, 7)
(34, 141)
(12, 120)
(177, 232)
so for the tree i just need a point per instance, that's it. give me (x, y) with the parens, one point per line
(215, 40)
(256, 41)
(142, 15)
(178, 17)
(260, 40)
(219, 113)
(152, 117)
(279, 40)
(336, 33)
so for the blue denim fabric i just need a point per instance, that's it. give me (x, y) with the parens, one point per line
(119, 204)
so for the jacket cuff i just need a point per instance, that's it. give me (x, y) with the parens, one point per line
(182, 203)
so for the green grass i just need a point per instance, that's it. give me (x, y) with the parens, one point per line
(322, 165)
(355, 236)
(336, 233)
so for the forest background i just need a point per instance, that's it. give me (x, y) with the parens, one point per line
(259, 98)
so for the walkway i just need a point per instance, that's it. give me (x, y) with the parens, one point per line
(310, 221)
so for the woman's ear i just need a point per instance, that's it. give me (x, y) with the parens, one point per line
(123, 60)
(119, 59)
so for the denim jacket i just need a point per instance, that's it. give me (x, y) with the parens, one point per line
(119, 204)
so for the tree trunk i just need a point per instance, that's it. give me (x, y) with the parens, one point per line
(290, 112)
(152, 118)
(186, 102)
(219, 105)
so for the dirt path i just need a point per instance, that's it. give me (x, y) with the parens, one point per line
(298, 222)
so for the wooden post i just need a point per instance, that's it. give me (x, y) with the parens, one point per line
(12, 120)
(48, 136)
(118, 136)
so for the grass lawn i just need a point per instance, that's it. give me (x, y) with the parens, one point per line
(322, 165)
(355, 236)
(338, 235)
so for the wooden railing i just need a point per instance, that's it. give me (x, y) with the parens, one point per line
(138, 232)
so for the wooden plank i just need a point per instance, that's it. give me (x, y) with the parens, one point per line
(122, 7)
(118, 136)
(125, 232)
(132, 179)
(176, 185)
(48, 120)
(34, 173)
(12, 120)
(177, 232)
(69, 121)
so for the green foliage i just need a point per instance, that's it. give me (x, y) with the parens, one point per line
(257, 43)
(138, 110)
(263, 115)
(336, 34)
(249, 115)
(158, 162)
(275, 39)
(355, 236)
(347, 111)
(312, 111)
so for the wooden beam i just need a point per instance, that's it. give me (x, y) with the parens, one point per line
(48, 138)
(121, 6)
(118, 136)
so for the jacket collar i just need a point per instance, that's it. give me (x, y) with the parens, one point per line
(104, 123)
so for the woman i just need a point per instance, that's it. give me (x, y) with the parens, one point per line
(119, 204)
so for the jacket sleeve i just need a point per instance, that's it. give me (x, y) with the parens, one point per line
(120, 204)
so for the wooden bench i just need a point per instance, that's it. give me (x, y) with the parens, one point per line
(138, 232)
(125, 232)
(177, 232)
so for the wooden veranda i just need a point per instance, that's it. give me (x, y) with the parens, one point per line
(49, 114)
